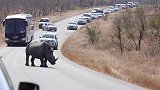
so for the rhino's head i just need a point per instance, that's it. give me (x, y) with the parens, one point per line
(50, 57)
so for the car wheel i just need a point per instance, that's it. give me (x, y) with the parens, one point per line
(8, 44)
(55, 47)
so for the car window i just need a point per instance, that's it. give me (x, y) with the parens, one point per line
(51, 27)
(87, 15)
(83, 18)
(3, 82)
(48, 36)
(72, 23)
(44, 20)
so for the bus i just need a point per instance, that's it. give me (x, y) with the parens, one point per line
(19, 29)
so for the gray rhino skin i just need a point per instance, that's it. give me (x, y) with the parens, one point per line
(40, 50)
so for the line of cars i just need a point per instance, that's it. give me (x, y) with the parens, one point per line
(85, 18)
(50, 35)
(98, 13)
(118, 7)
(46, 25)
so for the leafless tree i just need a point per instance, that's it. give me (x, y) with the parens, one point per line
(140, 21)
(129, 26)
(118, 32)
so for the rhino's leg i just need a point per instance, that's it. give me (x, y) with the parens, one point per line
(32, 61)
(27, 60)
(43, 63)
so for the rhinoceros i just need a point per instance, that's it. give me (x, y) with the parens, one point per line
(40, 50)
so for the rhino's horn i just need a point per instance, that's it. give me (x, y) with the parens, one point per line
(56, 59)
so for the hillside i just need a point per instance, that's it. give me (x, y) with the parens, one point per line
(140, 67)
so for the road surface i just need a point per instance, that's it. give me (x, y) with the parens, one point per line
(65, 75)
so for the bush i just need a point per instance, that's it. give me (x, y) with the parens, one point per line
(92, 33)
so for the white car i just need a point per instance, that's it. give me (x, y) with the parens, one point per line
(49, 27)
(94, 15)
(111, 8)
(72, 25)
(107, 11)
(97, 10)
(51, 39)
(88, 15)
(87, 18)
(82, 21)
(98, 14)
(42, 22)
(52, 28)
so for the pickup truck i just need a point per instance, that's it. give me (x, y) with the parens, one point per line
(42, 22)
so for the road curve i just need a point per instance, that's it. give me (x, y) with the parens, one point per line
(65, 75)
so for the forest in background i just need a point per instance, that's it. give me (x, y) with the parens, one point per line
(43, 7)
(46, 7)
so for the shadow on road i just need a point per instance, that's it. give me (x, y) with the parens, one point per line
(16, 45)
(43, 67)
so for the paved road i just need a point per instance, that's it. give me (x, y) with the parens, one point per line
(65, 75)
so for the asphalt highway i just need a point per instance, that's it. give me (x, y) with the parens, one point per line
(65, 75)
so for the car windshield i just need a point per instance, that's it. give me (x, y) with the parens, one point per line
(87, 15)
(51, 28)
(44, 20)
(94, 13)
(48, 36)
(111, 7)
(72, 23)
(82, 18)
(99, 10)
(15, 26)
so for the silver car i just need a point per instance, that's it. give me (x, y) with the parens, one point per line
(51, 39)
(82, 21)
(72, 25)
(42, 22)
(52, 28)
(49, 27)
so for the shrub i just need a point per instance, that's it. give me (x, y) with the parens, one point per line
(92, 33)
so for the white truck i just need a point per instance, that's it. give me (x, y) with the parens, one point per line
(42, 22)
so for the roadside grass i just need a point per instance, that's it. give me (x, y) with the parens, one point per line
(1, 36)
(134, 67)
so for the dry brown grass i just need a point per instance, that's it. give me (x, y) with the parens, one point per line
(134, 67)
(1, 36)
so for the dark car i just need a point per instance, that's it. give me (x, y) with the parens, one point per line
(6, 83)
